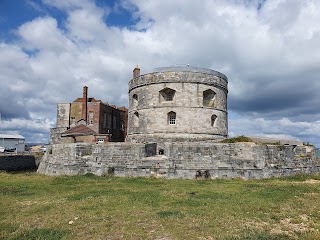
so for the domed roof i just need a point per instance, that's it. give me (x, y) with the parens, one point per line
(189, 68)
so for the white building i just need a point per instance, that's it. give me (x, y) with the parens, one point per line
(12, 141)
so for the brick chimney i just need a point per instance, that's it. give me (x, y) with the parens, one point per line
(136, 72)
(85, 103)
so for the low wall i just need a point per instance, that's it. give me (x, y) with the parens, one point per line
(11, 162)
(180, 160)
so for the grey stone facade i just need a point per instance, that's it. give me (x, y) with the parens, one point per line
(180, 160)
(196, 97)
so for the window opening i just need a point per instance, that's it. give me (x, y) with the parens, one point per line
(109, 121)
(90, 118)
(136, 119)
(213, 120)
(114, 122)
(135, 100)
(209, 98)
(104, 120)
(167, 94)
(172, 118)
(73, 121)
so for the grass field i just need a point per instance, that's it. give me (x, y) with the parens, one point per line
(88, 207)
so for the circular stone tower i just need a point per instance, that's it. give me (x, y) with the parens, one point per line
(178, 103)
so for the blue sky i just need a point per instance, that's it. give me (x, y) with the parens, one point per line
(16, 12)
(49, 49)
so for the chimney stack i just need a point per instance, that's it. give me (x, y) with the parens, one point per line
(85, 103)
(136, 72)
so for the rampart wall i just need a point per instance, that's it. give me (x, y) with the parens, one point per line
(180, 160)
(13, 162)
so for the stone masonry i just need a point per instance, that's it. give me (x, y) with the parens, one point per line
(180, 160)
(195, 99)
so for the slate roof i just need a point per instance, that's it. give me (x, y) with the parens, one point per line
(11, 136)
(79, 130)
(89, 100)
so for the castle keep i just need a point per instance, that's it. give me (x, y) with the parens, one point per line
(176, 119)
(179, 103)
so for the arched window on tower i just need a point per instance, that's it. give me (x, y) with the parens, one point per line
(213, 120)
(209, 98)
(134, 100)
(167, 95)
(172, 118)
(135, 119)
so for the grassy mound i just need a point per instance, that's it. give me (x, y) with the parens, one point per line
(237, 139)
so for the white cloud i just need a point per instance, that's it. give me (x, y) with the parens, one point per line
(69, 5)
(268, 53)
(32, 124)
(284, 127)
(43, 34)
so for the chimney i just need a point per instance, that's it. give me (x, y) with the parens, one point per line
(136, 72)
(85, 103)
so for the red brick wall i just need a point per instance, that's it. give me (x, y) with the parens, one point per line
(95, 118)
(94, 108)
(98, 110)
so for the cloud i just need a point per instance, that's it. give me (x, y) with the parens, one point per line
(34, 130)
(14, 72)
(267, 49)
(280, 128)
(70, 5)
(43, 34)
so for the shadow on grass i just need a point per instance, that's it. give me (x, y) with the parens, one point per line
(166, 214)
(15, 191)
(42, 234)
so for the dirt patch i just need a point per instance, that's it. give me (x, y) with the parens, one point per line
(312, 181)
(309, 181)
(287, 226)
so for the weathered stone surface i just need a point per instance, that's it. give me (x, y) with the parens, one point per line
(198, 99)
(180, 160)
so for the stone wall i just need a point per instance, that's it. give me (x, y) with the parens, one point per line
(82, 158)
(12, 162)
(198, 98)
(55, 134)
(63, 115)
(180, 160)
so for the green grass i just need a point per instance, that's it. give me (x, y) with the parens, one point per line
(237, 139)
(88, 207)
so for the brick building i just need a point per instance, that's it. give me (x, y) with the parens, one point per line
(89, 120)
